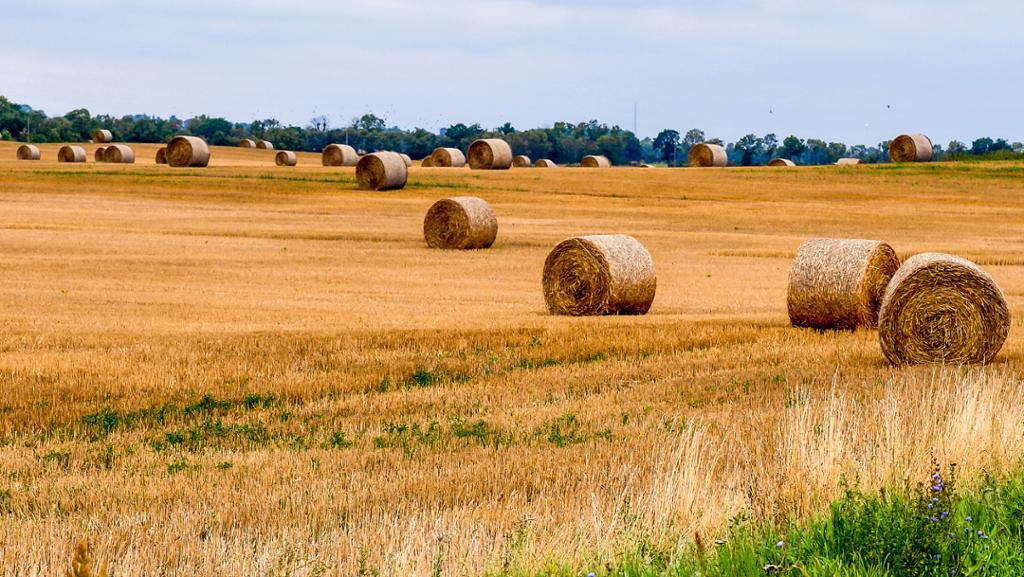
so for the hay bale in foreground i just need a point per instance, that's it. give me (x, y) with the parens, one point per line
(406, 159)
(599, 275)
(161, 155)
(285, 158)
(461, 222)
(71, 154)
(247, 143)
(382, 171)
(911, 148)
(785, 162)
(185, 151)
(448, 158)
(28, 152)
(265, 145)
(706, 155)
(595, 161)
(940, 308)
(102, 136)
(545, 163)
(838, 284)
(119, 154)
(522, 161)
(427, 162)
(848, 162)
(98, 154)
(339, 155)
(490, 154)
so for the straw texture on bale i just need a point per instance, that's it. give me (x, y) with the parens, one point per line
(911, 148)
(427, 162)
(247, 143)
(381, 171)
(285, 158)
(101, 136)
(782, 162)
(339, 155)
(595, 161)
(522, 161)
(706, 155)
(848, 161)
(448, 158)
(185, 151)
(461, 222)
(265, 145)
(71, 154)
(98, 155)
(838, 283)
(545, 163)
(599, 275)
(406, 159)
(119, 154)
(28, 152)
(940, 308)
(161, 155)
(490, 154)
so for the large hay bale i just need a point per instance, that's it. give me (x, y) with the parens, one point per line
(185, 151)
(119, 154)
(595, 161)
(381, 171)
(427, 162)
(785, 162)
(339, 155)
(247, 143)
(911, 148)
(706, 155)
(490, 154)
(102, 136)
(599, 275)
(448, 158)
(940, 308)
(545, 163)
(265, 145)
(161, 155)
(406, 159)
(838, 283)
(71, 153)
(98, 154)
(461, 222)
(848, 162)
(285, 158)
(28, 152)
(522, 161)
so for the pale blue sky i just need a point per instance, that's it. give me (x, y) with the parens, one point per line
(826, 69)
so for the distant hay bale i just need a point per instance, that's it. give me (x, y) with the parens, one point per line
(119, 154)
(645, 165)
(838, 283)
(161, 155)
(101, 136)
(595, 161)
(599, 275)
(71, 154)
(461, 222)
(247, 143)
(848, 162)
(285, 158)
(427, 162)
(911, 148)
(522, 161)
(545, 163)
(339, 155)
(448, 158)
(406, 159)
(98, 154)
(490, 154)
(382, 171)
(185, 151)
(785, 162)
(940, 308)
(265, 145)
(28, 152)
(706, 155)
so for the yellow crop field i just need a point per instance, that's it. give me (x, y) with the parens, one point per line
(259, 370)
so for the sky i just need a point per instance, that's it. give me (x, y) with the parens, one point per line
(856, 71)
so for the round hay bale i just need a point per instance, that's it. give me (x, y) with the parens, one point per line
(71, 154)
(98, 154)
(940, 308)
(247, 143)
(848, 162)
(599, 275)
(119, 154)
(406, 159)
(28, 152)
(339, 155)
(265, 145)
(838, 283)
(381, 171)
(522, 161)
(427, 162)
(545, 163)
(101, 136)
(911, 148)
(448, 158)
(490, 154)
(783, 162)
(161, 155)
(461, 222)
(285, 158)
(705, 155)
(183, 151)
(595, 161)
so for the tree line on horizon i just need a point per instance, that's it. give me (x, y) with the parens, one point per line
(563, 142)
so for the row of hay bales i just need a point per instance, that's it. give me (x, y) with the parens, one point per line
(259, 144)
(904, 148)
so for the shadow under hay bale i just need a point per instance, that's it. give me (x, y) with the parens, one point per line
(461, 222)
(599, 275)
(285, 158)
(102, 136)
(838, 284)
(28, 152)
(595, 161)
(339, 155)
(71, 154)
(382, 171)
(707, 155)
(940, 308)
(545, 163)
(490, 154)
(119, 154)
(522, 161)
(782, 162)
(911, 148)
(188, 151)
(448, 158)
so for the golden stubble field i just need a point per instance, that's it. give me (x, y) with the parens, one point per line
(252, 370)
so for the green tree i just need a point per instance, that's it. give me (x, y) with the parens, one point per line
(667, 142)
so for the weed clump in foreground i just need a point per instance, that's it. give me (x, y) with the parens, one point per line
(81, 563)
